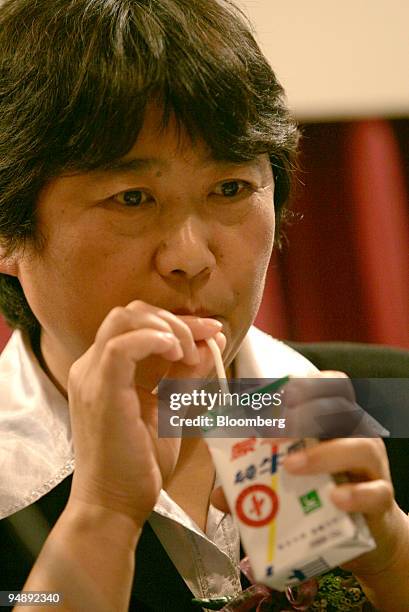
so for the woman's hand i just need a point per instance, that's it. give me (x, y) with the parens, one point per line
(121, 464)
(383, 572)
(370, 490)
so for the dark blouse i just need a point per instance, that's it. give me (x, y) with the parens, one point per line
(157, 585)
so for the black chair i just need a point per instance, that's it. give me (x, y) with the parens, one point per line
(357, 360)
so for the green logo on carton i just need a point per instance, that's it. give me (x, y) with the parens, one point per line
(310, 501)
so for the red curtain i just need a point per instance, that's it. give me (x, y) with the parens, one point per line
(343, 272)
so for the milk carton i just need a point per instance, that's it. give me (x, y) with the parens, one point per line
(289, 527)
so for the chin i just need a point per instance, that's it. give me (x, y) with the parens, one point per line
(233, 346)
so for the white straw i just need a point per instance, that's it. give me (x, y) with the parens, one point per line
(218, 362)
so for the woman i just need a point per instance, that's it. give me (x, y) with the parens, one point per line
(146, 158)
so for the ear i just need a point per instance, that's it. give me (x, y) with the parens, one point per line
(8, 263)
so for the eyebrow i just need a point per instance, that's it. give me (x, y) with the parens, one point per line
(138, 164)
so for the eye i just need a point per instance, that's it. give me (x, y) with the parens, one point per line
(230, 189)
(132, 198)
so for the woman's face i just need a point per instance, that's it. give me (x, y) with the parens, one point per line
(168, 225)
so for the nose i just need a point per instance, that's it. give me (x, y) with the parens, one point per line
(185, 254)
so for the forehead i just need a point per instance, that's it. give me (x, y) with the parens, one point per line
(160, 143)
(159, 146)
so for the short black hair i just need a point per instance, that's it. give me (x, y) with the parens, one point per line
(76, 77)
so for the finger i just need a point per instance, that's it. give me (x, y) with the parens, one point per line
(150, 371)
(205, 368)
(180, 328)
(218, 500)
(122, 353)
(138, 315)
(317, 385)
(365, 457)
(201, 328)
(189, 330)
(118, 321)
(121, 320)
(370, 498)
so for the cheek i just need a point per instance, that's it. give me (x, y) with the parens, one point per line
(90, 257)
(249, 257)
(256, 242)
(265, 220)
(79, 277)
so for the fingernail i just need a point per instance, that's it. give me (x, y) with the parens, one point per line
(212, 323)
(178, 350)
(295, 461)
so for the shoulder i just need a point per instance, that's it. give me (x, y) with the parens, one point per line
(35, 436)
(263, 356)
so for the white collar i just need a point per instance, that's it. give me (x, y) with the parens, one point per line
(36, 451)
